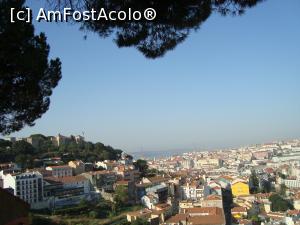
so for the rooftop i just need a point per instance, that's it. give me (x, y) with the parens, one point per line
(69, 179)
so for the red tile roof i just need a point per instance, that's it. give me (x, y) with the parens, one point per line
(239, 210)
(69, 179)
(206, 220)
(213, 197)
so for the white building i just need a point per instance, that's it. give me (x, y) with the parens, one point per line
(188, 163)
(150, 200)
(290, 183)
(60, 171)
(191, 192)
(27, 186)
(106, 164)
(63, 191)
(208, 162)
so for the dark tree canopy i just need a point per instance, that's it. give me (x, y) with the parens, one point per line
(279, 203)
(26, 76)
(142, 166)
(254, 181)
(173, 23)
(29, 156)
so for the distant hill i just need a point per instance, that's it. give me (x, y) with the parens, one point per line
(36, 147)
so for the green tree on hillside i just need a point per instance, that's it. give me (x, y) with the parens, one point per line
(23, 147)
(120, 197)
(142, 166)
(254, 182)
(46, 149)
(280, 204)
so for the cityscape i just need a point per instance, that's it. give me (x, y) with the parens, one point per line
(149, 112)
(255, 184)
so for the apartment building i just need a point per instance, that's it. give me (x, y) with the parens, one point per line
(60, 171)
(28, 186)
(290, 183)
(213, 201)
(63, 191)
(127, 173)
(192, 191)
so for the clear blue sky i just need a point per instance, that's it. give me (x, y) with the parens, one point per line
(233, 82)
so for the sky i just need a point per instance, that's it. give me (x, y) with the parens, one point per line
(233, 82)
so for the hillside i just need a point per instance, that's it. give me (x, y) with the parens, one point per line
(27, 155)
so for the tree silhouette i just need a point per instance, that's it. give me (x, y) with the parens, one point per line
(174, 21)
(26, 76)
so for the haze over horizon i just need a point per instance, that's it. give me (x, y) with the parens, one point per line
(234, 82)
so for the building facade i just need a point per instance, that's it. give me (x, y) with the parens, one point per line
(28, 186)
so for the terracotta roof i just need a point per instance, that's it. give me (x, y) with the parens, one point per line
(263, 195)
(60, 167)
(213, 197)
(205, 210)
(101, 172)
(276, 215)
(206, 220)
(177, 218)
(69, 179)
(157, 179)
(293, 212)
(162, 206)
(269, 170)
(239, 209)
